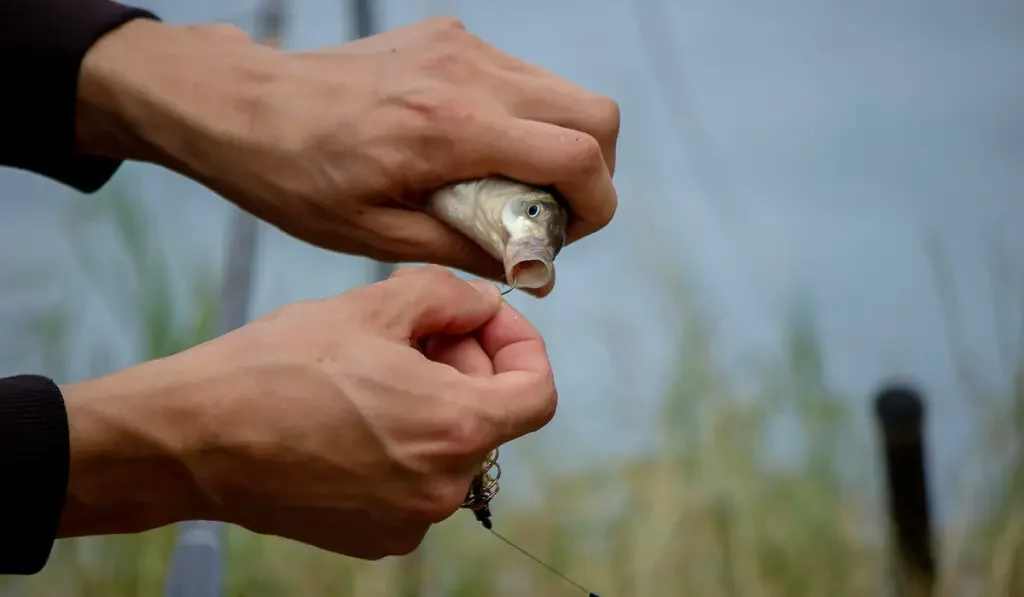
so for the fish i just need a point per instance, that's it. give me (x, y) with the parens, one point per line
(520, 225)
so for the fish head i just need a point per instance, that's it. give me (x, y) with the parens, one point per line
(534, 225)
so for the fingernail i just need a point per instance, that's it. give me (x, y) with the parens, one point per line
(485, 287)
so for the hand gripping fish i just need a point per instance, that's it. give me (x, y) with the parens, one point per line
(520, 225)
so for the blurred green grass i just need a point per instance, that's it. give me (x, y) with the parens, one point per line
(704, 512)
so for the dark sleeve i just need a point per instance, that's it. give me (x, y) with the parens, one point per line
(35, 455)
(42, 44)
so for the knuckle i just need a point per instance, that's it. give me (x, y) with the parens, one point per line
(229, 31)
(543, 405)
(438, 500)
(421, 286)
(583, 154)
(467, 432)
(443, 111)
(222, 32)
(603, 216)
(453, 288)
(404, 271)
(435, 280)
(584, 158)
(424, 277)
(471, 43)
(438, 272)
(450, 60)
(446, 23)
(607, 118)
(549, 406)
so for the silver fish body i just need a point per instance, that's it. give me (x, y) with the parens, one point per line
(520, 225)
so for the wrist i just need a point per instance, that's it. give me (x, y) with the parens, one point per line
(153, 92)
(101, 129)
(131, 435)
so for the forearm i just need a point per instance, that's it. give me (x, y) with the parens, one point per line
(177, 96)
(131, 434)
(42, 45)
(97, 82)
(111, 455)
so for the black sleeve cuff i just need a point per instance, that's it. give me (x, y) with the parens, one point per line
(42, 44)
(35, 457)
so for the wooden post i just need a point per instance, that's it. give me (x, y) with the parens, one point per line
(900, 411)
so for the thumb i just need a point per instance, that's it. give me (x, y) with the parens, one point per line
(435, 301)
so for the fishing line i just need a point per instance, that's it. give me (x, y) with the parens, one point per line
(482, 490)
(550, 568)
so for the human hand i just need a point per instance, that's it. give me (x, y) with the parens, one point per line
(340, 146)
(322, 421)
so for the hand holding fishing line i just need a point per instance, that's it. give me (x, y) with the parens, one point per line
(322, 421)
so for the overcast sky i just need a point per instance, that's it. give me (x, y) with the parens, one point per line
(778, 150)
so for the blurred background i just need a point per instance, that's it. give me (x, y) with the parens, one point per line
(815, 198)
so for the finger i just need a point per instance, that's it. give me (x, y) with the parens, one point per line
(545, 154)
(463, 353)
(513, 344)
(521, 396)
(543, 97)
(532, 92)
(434, 301)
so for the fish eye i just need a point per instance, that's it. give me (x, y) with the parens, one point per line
(533, 210)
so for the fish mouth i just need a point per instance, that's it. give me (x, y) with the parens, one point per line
(529, 264)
